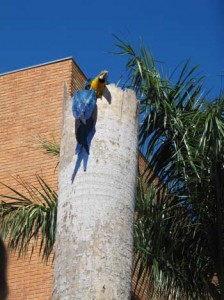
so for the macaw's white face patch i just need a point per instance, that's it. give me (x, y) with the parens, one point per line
(103, 75)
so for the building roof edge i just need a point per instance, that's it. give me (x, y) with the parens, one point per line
(40, 65)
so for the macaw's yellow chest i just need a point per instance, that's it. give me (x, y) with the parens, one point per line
(98, 86)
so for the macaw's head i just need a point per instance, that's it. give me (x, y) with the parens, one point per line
(103, 76)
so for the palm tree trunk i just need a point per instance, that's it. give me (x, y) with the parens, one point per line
(94, 242)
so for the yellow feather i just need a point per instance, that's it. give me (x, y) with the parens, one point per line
(97, 86)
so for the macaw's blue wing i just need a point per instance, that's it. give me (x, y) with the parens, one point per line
(83, 104)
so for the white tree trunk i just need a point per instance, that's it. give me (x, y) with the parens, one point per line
(94, 242)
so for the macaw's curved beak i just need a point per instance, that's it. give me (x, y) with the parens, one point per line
(103, 75)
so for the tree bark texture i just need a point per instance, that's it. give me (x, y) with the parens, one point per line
(94, 241)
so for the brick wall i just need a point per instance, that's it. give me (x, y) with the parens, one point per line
(31, 107)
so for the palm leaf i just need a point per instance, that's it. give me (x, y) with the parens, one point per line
(165, 251)
(29, 217)
(49, 146)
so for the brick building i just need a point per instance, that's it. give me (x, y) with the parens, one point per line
(31, 107)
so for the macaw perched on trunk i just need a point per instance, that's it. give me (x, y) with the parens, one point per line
(83, 106)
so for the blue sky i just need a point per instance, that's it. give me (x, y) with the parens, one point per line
(34, 32)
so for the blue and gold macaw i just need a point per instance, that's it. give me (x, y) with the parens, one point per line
(84, 105)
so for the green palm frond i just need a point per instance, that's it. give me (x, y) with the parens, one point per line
(168, 246)
(29, 217)
(167, 112)
(51, 147)
(142, 74)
